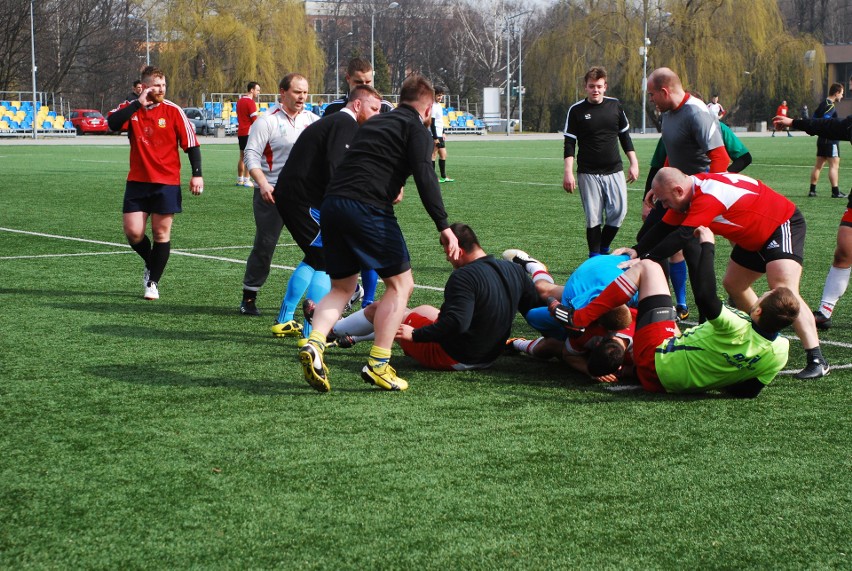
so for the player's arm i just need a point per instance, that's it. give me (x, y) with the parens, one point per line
(253, 155)
(706, 299)
(455, 316)
(719, 159)
(569, 183)
(627, 146)
(740, 163)
(122, 115)
(835, 129)
(196, 183)
(747, 389)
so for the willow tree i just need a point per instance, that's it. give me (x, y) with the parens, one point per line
(218, 46)
(711, 44)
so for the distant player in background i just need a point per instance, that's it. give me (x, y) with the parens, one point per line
(439, 136)
(715, 107)
(828, 150)
(246, 114)
(155, 127)
(137, 91)
(781, 111)
(597, 124)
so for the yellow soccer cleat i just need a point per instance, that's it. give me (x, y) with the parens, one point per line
(383, 377)
(316, 373)
(290, 328)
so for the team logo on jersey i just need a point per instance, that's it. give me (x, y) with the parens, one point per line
(772, 245)
(161, 123)
(588, 116)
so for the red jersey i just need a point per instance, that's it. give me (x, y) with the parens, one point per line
(736, 207)
(246, 114)
(782, 111)
(155, 134)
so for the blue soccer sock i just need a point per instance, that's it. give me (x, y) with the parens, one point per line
(296, 287)
(370, 280)
(677, 273)
(320, 285)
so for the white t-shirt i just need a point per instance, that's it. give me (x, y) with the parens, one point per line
(438, 118)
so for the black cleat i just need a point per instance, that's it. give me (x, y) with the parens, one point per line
(814, 370)
(248, 307)
(822, 322)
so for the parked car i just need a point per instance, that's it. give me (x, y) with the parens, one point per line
(88, 121)
(205, 123)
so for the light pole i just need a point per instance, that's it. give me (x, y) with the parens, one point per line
(509, 30)
(643, 51)
(147, 38)
(391, 6)
(32, 47)
(337, 64)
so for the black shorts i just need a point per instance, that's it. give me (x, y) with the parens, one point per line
(440, 143)
(242, 140)
(152, 198)
(827, 148)
(303, 223)
(359, 236)
(786, 243)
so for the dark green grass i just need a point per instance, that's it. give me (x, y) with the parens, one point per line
(177, 434)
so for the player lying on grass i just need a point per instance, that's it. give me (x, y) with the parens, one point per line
(470, 330)
(732, 351)
(606, 345)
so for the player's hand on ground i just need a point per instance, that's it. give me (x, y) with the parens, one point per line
(450, 244)
(196, 185)
(625, 252)
(404, 333)
(704, 234)
(569, 183)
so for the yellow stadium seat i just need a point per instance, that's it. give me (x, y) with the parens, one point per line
(59, 120)
(3, 124)
(470, 123)
(16, 104)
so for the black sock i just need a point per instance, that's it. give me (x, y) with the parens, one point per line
(607, 236)
(158, 259)
(249, 294)
(813, 188)
(143, 248)
(835, 190)
(593, 238)
(433, 165)
(442, 164)
(814, 354)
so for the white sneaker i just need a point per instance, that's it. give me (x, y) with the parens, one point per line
(519, 257)
(151, 291)
(146, 277)
(248, 183)
(356, 297)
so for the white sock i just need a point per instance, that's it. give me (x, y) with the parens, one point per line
(526, 345)
(835, 286)
(355, 324)
(538, 272)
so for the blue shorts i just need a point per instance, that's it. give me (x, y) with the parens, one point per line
(152, 198)
(356, 236)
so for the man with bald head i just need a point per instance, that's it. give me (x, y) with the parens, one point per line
(766, 228)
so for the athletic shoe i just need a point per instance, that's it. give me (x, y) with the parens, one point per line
(151, 291)
(248, 183)
(510, 344)
(248, 307)
(308, 308)
(789, 134)
(811, 193)
(240, 182)
(446, 179)
(316, 373)
(146, 276)
(383, 377)
(519, 257)
(822, 322)
(838, 194)
(356, 297)
(814, 370)
(345, 342)
(290, 328)
(682, 312)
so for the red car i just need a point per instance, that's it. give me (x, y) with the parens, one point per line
(88, 121)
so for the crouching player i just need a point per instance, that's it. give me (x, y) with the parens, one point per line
(732, 351)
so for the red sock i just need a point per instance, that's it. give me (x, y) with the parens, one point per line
(617, 293)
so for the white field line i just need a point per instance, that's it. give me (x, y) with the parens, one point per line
(175, 252)
(63, 255)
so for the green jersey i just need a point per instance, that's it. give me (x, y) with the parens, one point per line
(718, 353)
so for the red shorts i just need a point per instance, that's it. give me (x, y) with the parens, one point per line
(645, 343)
(847, 218)
(429, 355)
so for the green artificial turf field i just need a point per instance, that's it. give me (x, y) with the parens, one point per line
(177, 433)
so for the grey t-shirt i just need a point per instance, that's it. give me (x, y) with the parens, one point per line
(689, 132)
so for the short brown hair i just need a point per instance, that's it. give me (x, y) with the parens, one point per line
(778, 310)
(606, 358)
(615, 319)
(358, 64)
(288, 79)
(363, 91)
(465, 235)
(594, 74)
(150, 71)
(415, 88)
(834, 89)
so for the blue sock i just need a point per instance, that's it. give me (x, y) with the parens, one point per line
(296, 287)
(370, 280)
(319, 286)
(677, 272)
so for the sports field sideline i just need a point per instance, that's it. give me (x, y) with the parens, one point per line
(177, 433)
